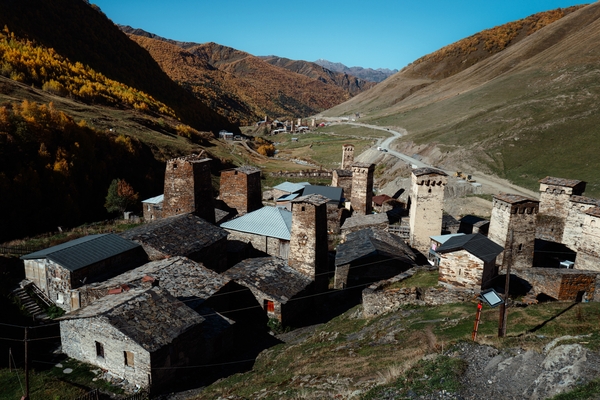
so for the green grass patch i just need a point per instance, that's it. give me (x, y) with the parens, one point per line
(590, 390)
(421, 279)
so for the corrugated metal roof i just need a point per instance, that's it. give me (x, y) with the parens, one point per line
(267, 221)
(84, 251)
(155, 199)
(441, 239)
(334, 194)
(288, 197)
(291, 187)
(476, 244)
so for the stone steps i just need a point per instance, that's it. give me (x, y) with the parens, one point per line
(30, 304)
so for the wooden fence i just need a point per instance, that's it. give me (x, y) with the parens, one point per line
(18, 250)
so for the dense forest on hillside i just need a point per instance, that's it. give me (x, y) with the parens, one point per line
(55, 171)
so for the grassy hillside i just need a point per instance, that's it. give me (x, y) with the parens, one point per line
(523, 113)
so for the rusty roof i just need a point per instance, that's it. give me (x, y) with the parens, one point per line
(428, 171)
(269, 275)
(180, 235)
(514, 198)
(550, 180)
(152, 318)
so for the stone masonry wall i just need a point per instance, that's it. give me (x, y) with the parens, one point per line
(563, 284)
(269, 245)
(240, 189)
(573, 228)
(554, 202)
(79, 337)
(460, 269)
(380, 299)
(347, 156)
(426, 209)
(362, 188)
(588, 253)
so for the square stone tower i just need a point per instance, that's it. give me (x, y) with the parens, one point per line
(308, 239)
(347, 156)
(588, 253)
(188, 188)
(573, 232)
(240, 189)
(555, 194)
(362, 188)
(426, 206)
(513, 226)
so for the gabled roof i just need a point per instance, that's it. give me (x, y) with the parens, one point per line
(291, 187)
(511, 198)
(180, 235)
(183, 278)
(155, 200)
(365, 220)
(288, 197)
(334, 194)
(441, 239)
(152, 318)
(380, 199)
(370, 242)
(476, 244)
(550, 180)
(269, 275)
(85, 251)
(267, 221)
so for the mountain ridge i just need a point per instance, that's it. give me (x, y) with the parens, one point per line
(369, 74)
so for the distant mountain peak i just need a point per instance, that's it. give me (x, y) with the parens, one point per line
(368, 74)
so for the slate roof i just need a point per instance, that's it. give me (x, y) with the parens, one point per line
(514, 198)
(183, 278)
(269, 275)
(370, 242)
(246, 169)
(85, 251)
(291, 187)
(476, 244)
(549, 180)
(365, 220)
(594, 212)
(584, 200)
(152, 318)
(180, 235)
(343, 172)
(267, 221)
(428, 171)
(155, 200)
(334, 194)
(314, 199)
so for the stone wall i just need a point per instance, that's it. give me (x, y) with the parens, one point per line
(563, 284)
(343, 179)
(308, 173)
(588, 253)
(362, 188)
(347, 156)
(79, 337)
(151, 212)
(380, 299)
(426, 208)
(573, 228)
(269, 245)
(188, 188)
(462, 270)
(554, 202)
(240, 189)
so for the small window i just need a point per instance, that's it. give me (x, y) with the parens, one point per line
(128, 358)
(520, 246)
(174, 165)
(99, 349)
(269, 306)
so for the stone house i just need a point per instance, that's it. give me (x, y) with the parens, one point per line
(575, 219)
(141, 336)
(555, 195)
(370, 255)
(268, 229)
(379, 201)
(58, 269)
(183, 235)
(152, 208)
(281, 291)
(287, 188)
(426, 203)
(358, 222)
(437, 241)
(588, 253)
(563, 284)
(474, 224)
(468, 261)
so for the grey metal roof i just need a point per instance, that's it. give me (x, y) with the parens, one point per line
(288, 197)
(441, 239)
(155, 199)
(291, 187)
(334, 194)
(476, 244)
(267, 221)
(87, 250)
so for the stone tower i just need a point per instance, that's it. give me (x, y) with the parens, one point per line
(512, 226)
(240, 189)
(555, 194)
(308, 239)
(588, 256)
(573, 231)
(188, 188)
(362, 188)
(426, 206)
(347, 156)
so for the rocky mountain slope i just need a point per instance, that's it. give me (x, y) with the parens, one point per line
(368, 74)
(512, 114)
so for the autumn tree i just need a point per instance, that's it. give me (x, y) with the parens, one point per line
(120, 196)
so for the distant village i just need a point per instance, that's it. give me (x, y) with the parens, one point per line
(200, 281)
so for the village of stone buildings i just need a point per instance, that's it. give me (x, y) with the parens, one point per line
(198, 283)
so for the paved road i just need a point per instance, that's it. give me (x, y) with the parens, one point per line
(491, 184)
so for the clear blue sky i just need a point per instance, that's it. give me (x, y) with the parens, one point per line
(375, 34)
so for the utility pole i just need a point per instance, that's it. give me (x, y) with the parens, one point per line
(26, 397)
(504, 306)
